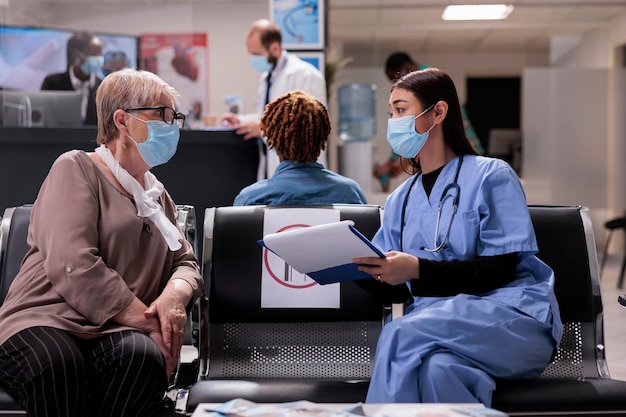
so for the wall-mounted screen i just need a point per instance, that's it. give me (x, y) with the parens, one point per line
(28, 54)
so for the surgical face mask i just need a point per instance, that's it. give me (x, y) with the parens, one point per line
(403, 138)
(260, 63)
(160, 146)
(93, 64)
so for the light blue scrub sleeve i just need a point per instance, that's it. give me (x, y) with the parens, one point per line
(505, 224)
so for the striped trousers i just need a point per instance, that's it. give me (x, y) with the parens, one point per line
(52, 373)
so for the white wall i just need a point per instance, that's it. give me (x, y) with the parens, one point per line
(565, 160)
(591, 51)
(574, 148)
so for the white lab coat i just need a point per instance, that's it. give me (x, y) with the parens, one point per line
(291, 73)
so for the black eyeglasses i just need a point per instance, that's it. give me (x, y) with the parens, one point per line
(168, 114)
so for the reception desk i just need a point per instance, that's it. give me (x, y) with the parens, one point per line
(209, 168)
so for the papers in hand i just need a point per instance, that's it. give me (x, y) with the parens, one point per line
(323, 252)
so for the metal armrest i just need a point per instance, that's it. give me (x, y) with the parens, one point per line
(203, 339)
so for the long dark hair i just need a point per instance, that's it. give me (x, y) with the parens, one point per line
(429, 86)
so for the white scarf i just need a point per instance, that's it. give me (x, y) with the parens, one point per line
(145, 199)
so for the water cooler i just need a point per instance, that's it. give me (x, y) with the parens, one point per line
(357, 126)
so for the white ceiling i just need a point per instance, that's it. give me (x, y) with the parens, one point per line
(416, 25)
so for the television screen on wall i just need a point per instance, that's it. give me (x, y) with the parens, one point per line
(28, 54)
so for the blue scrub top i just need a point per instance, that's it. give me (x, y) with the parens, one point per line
(492, 219)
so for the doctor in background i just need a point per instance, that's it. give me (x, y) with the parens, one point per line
(281, 72)
(459, 234)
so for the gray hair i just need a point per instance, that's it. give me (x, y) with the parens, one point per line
(124, 89)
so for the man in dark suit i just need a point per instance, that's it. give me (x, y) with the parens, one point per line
(84, 62)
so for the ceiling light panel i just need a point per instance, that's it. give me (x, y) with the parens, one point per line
(477, 12)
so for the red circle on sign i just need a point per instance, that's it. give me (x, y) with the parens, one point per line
(267, 265)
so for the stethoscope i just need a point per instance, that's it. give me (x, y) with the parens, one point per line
(447, 192)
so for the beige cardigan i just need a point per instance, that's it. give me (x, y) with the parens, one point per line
(90, 254)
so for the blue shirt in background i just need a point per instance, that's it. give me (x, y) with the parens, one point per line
(301, 183)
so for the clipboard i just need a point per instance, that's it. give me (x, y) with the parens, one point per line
(323, 252)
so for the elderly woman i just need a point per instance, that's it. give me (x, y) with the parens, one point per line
(94, 321)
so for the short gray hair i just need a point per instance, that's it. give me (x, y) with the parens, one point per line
(124, 89)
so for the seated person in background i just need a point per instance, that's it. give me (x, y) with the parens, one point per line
(94, 321)
(483, 305)
(297, 126)
(84, 62)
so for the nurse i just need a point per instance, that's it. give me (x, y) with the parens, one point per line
(459, 234)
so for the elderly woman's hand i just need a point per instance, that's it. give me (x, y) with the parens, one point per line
(170, 361)
(169, 308)
(132, 316)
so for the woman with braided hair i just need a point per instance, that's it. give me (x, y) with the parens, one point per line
(297, 126)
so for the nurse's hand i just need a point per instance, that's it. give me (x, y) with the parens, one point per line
(396, 268)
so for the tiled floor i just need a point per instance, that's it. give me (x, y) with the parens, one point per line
(614, 318)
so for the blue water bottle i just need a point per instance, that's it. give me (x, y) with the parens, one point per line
(357, 112)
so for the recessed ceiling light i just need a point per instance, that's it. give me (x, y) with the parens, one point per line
(477, 12)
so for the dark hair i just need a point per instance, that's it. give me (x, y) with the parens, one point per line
(398, 64)
(78, 42)
(429, 86)
(396, 60)
(269, 35)
(297, 126)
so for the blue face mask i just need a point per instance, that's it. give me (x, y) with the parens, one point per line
(93, 64)
(403, 138)
(160, 146)
(259, 62)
